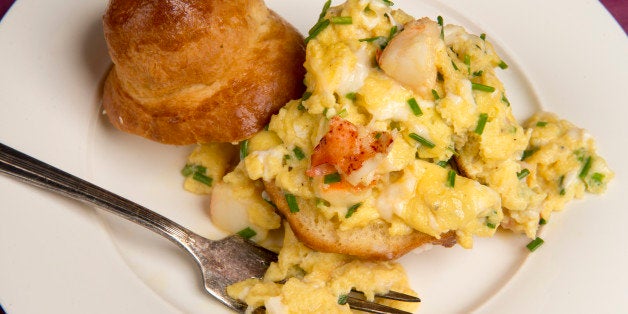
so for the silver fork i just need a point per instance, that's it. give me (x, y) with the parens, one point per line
(222, 262)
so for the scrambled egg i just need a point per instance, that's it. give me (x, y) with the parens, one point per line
(405, 184)
(564, 162)
(317, 282)
(403, 121)
(207, 163)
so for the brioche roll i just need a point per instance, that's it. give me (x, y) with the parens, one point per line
(195, 71)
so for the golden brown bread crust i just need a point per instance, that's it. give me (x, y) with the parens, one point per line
(370, 242)
(193, 71)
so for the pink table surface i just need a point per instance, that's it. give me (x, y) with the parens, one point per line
(618, 8)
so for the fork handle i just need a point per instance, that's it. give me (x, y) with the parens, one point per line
(38, 173)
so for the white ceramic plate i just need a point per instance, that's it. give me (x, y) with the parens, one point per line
(60, 256)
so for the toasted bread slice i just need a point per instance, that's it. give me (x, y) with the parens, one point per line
(370, 242)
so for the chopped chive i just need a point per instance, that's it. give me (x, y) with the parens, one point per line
(454, 65)
(451, 178)
(414, 105)
(479, 129)
(561, 181)
(505, 100)
(187, 170)
(442, 31)
(192, 168)
(247, 233)
(197, 176)
(478, 73)
(528, 152)
(343, 113)
(491, 225)
(342, 299)
(481, 87)
(388, 3)
(439, 77)
(524, 173)
(585, 168)
(317, 29)
(422, 140)
(298, 153)
(467, 61)
(372, 39)
(483, 36)
(380, 40)
(541, 123)
(534, 244)
(502, 65)
(542, 221)
(324, 11)
(435, 95)
(597, 177)
(292, 203)
(305, 97)
(342, 20)
(393, 32)
(378, 135)
(200, 169)
(332, 178)
(352, 96)
(442, 163)
(580, 153)
(352, 209)
(321, 202)
(244, 149)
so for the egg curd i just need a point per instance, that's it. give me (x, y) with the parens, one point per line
(564, 162)
(315, 282)
(404, 121)
(207, 163)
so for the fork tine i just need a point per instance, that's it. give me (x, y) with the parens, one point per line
(393, 295)
(371, 307)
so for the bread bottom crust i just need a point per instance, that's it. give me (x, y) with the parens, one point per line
(173, 120)
(371, 242)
